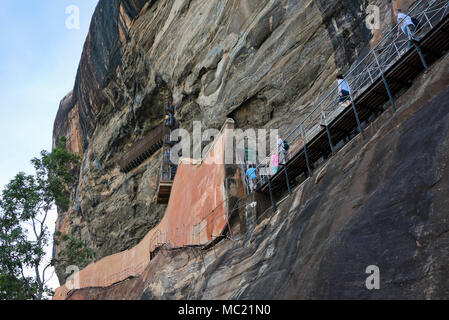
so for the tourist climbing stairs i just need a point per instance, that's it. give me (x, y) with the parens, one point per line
(386, 71)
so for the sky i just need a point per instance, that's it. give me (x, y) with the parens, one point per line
(40, 49)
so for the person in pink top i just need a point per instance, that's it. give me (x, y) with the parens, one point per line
(275, 163)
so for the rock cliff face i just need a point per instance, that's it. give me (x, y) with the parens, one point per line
(380, 201)
(263, 63)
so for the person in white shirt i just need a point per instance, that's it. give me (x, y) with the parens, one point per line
(407, 26)
(283, 154)
(343, 91)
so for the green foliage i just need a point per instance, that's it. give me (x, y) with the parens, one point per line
(13, 288)
(74, 252)
(53, 172)
(25, 204)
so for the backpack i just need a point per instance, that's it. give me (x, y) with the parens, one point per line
(286, 146)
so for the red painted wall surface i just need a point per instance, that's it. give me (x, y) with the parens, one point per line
(195, 215)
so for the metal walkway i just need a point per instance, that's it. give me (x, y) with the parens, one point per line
(166, 176)
(144, 149)
(388, 69)
(168, 169)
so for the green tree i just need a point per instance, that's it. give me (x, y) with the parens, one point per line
(74, 252)
(25, 205)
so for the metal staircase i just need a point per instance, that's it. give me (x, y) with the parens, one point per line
(388, 69)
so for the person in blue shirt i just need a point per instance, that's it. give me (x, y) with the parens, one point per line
(343, 90)
(251, 177)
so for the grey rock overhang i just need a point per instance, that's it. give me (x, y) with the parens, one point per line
(100, 57)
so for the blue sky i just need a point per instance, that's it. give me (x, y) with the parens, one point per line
(39, 57)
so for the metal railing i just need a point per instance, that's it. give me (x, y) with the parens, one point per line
(143, 149)
(168, 169)
(370, 69)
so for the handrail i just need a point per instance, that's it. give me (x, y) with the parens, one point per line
(372, 54)
(160, 238)
(143, 146)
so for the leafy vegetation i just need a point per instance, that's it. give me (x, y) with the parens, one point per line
(25, 205)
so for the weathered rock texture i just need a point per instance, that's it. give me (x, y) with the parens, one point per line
(263, 63)
(382, 202)
(195, 218)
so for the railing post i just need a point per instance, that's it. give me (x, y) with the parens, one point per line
(244, 169)
(286, 177)
(329, 137)
(411, 37)
(428, 20)
(273, 203)
(305, 152)
(357, 119)
(393, 104)
(421, 56)
(370, 76)
(397, 50)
